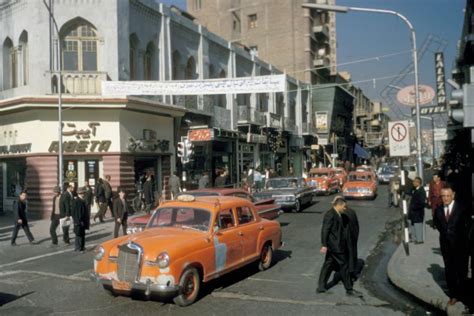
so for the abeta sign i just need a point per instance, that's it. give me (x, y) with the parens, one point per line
(81, 146)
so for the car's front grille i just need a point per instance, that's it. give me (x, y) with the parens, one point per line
(353, 190)
(128, 263)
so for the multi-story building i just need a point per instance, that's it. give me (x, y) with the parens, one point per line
(299, 41)
(127, 136)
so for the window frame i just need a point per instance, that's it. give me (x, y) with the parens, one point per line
(75, 35)
(253, 220)
(252, 21)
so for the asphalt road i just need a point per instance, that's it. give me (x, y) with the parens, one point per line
(38, 280)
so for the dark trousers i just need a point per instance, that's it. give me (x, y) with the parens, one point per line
(102, 209)
(110, 204)
(52, 230)
(117, 228)
(80, 240)
(455, 270)
(26, 229)
(65, 234)
(335, 262)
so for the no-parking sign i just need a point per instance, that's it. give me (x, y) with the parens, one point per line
(399, 138)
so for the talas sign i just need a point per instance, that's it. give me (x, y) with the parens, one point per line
(399, 138)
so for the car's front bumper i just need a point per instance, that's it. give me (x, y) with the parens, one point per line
(286, 204)
(358, 195)
(148, 288)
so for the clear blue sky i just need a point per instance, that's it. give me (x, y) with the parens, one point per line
(362, 35)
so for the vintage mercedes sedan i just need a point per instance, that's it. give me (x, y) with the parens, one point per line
(291, 193)
(360, 185)
(266, 208)
(187, 241)
(323, 181)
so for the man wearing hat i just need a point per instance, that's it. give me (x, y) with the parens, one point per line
(79, 215)
(120, 210)
(55, 215)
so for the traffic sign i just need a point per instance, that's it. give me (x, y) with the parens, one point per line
(399, 138)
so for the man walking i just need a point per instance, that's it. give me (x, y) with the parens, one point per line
(20, 208)
(453, 222)
(79, 215)
(108, 195)
(121, 208)
(100, 200)
(204, 180)
(416, 212)
(334, 246)
(148, 194)
(89, 199)
(174, 184)
(55, 215)
(66, 204)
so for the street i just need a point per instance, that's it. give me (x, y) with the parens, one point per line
(39, 280)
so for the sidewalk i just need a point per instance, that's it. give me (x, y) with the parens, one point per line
(422, 272)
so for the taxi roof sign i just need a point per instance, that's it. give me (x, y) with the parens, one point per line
(186, 198)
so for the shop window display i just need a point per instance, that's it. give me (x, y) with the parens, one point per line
(16, 171)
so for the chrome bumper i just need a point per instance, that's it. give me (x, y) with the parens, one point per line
(147, 288)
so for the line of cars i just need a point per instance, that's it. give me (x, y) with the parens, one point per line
(204, 234)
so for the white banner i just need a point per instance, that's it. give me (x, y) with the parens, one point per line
(258, 84)
(399, 138)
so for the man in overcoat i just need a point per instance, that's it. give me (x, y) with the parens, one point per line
(20, 208)
(55, 215)
(121, 209)
(79, 215)
(66, 204)
(416, 212)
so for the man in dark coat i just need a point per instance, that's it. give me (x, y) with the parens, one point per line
(121, 209)
(66, 204)
(148, 194)
(79, 215)
(351, 226)
(334, 245)
(100, 200)
(108, 195)
(89, 199)
(20, 210)
(55, 215)
(453, 223)
(416, 211)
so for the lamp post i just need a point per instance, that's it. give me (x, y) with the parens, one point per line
(60, 83)
(344, 9)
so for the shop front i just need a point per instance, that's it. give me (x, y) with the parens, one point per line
(121, 138)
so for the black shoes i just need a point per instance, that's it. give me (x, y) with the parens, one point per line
(13, 243)
(354, 293)
(319, 291)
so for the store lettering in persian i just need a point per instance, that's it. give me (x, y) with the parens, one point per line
(15, 149)
(81, 146)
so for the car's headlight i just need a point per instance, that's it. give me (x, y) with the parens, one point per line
(99, 253)
(290, 198)
(163, 260)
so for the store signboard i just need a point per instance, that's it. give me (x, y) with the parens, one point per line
(201, 135)
(322, 122)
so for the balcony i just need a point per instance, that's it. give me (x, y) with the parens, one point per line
(273, 120)
(290, 125)
(321, 62)
(250, 116)
(373, 139)
(78, 82)
(222, 118)
(321, 31)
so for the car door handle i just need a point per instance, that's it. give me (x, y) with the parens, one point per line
(241, 234)
(261, 227)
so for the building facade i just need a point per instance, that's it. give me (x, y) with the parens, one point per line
(126, 137)
(299, 41)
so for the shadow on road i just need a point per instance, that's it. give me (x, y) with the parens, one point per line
(6, 298)
(438, 276)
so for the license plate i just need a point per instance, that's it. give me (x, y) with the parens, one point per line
(121, 285)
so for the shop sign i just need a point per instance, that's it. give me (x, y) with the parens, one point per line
(428, 110)
(322, 122)
(151, 145)
(15, 149)
(81, 146)
(201, 135)
(256, 138)
(407, 95)
(440, 80)
(81, 133)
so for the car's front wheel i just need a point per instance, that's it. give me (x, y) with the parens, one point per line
(266, 257)
(189, 285)
(298, 206)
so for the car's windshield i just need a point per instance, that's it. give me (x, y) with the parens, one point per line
(183, 217)
(359, 177)
(282, 183)
(320, 174)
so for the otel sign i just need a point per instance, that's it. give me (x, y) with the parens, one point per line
(406, 96)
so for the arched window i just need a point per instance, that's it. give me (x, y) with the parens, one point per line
(79, 47)
(9, 65)
(149, 63)
(176, 66)
(191, 69)
(24, 69)
(134, 45)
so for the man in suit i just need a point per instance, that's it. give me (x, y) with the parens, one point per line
(453, 222)
(100, 200)
(148, 194)
(55, 215)
(121, 208)
(66, 204)
(89, 199)
(416, 212)
(334, 246)
(20, 209)
(79, 215)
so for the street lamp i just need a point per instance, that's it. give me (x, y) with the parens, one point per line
(60, 83)
(344, 9)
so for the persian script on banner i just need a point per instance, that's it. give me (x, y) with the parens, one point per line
(258, 84)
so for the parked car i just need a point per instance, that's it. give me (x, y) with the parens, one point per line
(360, 185)
(266, 208)
(386, 173)
(341, 175)
(323, 181)
(187, 241)
(290, 193)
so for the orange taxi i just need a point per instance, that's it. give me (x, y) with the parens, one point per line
(360, 184)
(187, 241)
(323, 180)
(341, 175)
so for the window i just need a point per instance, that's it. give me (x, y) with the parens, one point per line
(197, 5)
(225, 219)
(16, 172)
(80, 48)
(148, 61)
(134, 44)
(245, 215)
(252, 21)
(236, 25)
